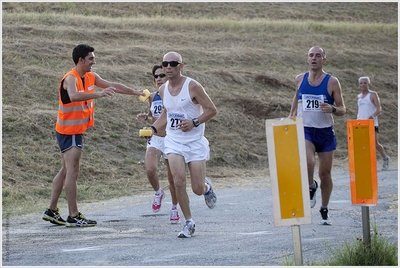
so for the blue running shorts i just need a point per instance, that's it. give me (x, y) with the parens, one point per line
(324, 139)
(66, 142)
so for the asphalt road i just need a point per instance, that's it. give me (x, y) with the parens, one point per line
(239, 231)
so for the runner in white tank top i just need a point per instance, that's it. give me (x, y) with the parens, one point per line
(181, 107)
(366, 108)
(187, 107)
(369, 107)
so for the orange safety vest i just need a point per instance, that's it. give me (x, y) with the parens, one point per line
(75, 117)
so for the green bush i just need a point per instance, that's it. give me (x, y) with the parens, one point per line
(380, 252)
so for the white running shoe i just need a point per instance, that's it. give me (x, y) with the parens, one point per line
(385, 163)
(313, 195)
(325, 217)
(188, 230)
(210, 197)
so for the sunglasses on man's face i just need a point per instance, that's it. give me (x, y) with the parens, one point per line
(159, 75)
(171, 63)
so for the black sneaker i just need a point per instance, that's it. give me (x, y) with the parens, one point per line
(313, 196)
(325, 217)
(79, 221)
(53, 216)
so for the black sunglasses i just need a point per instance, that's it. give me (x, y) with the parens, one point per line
(159, 75)
(171, 63)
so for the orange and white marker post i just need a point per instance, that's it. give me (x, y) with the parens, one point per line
(289, 180)
(362, 167)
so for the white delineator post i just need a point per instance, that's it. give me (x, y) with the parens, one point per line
(288, 173)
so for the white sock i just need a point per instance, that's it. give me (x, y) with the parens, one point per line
(174, 207)
(159, 191)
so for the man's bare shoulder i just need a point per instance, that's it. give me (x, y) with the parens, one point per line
(195, 85)
(161, 90)
(333, 80)
(299, 77)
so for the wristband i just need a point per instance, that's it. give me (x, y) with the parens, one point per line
(154, 128)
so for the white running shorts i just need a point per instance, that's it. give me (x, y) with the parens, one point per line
(157, 142)
(193, 151)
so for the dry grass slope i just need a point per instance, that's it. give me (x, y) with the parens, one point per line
(245, 54)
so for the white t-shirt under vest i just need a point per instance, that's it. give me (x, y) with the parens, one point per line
(181, 107)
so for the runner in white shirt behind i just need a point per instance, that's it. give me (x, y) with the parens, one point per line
(369, 107)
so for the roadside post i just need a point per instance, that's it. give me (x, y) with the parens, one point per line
(289, 180)
(362, 167)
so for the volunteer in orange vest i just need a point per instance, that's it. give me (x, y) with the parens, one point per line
(75, 115)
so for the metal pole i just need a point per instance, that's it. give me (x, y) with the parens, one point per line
(298, 254)
(366, 225)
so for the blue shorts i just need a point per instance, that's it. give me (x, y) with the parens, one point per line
(324, 139)
(66, 142)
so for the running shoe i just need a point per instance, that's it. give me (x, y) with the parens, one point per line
(313, 195)
(325, 217)
(157, 201)
(174, 216)
(210, 196)
(79, 221)
(53, 216)
(188, 230)
(385, 163)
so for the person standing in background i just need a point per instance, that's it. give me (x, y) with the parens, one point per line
(318, 96)
(369, 107)
(75, 116)
(155, 148)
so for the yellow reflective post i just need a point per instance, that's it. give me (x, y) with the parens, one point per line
(289, 180)
(288, 171)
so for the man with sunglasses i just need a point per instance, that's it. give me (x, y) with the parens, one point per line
(187, 107)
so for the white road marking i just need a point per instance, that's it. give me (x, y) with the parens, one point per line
(82, 249)
(257, 233)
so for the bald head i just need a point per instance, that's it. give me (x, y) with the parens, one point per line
(317, 48)
(173, 56)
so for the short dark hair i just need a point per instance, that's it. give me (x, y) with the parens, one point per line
(155, 68)
(81, 51)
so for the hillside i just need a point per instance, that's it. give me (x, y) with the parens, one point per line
(246, 55)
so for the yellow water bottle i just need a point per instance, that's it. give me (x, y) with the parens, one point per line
(145, 133)
(144, 98)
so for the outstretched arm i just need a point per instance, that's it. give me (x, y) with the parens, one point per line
(69, 84)
(118, 87)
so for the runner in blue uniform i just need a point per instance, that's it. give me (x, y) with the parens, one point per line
(318, 96)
